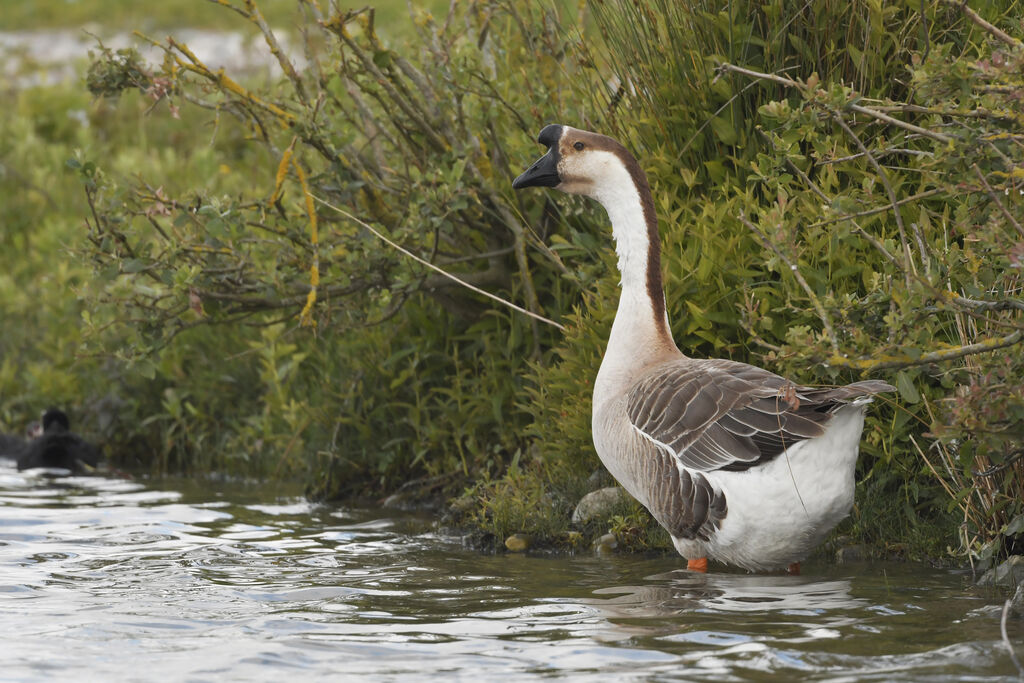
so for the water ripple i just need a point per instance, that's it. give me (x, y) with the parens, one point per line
(231, 581)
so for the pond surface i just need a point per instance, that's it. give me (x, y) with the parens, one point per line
(109, 579)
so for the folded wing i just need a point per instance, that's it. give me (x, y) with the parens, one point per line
(718, 414)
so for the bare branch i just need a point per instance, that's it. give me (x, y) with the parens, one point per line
(878, 155)
(286, 65)
(977, 19)
(995, 198)
(881, 116)
(867, 111)
(822, 314)
(890, 362)
(878, 209)
(884, 177)
(448, 275)
(976, 305)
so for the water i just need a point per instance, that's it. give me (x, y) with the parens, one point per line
(108, 579)
(48, 57)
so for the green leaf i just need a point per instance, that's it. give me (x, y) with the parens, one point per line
(1015, 526)
(382, 58)
(905, 385)
(217, 228)
(724, 131)
(133, 265)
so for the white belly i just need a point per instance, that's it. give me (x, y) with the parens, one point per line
(780, 511)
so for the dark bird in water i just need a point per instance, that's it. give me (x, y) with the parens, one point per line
(59, 447)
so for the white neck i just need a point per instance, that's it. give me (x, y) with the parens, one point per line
(639, 335)
(629, 229)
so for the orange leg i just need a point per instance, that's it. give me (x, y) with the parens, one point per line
(794, 569)
(698, 565)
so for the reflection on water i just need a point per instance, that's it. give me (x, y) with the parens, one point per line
(132, 582)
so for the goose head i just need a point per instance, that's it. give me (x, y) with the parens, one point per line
(596, 166)
(582, 162)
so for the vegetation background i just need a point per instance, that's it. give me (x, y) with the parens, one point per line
(193, 261)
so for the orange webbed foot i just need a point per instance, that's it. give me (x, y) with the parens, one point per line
(698, 565)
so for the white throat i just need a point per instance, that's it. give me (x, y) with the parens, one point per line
(629, 229)
(638, 337)
(609, 182)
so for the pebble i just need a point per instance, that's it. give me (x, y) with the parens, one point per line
(606, 544)
(850, 554)
(517, 543)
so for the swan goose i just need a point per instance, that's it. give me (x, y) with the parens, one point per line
(737, 463)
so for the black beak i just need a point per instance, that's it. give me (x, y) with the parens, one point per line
(544, 172)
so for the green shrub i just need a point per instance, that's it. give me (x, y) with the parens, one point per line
(352, 361)
(775, 182)
(242, 312)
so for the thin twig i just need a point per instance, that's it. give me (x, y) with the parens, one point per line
(448, 275)
(781, 80)
(978, 113)
(225, 3)
(884, 177)
(921, 247)
(256, 17)
(881, 116)
(1006, 639)
(878, 209)
(822, 314)
(1002, 467)
(876, 243)
(429, 131)
(878, 155)
(976, 18)
(982, 305)
(867, 111)
(942, 481)
(218, 78)
(796, 169)
(995, 198)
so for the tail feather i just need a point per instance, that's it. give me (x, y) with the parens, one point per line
(867, 388)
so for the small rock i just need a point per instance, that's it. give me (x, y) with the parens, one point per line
(598, 503)
(396, 501)
(1009, 573)
(849, 554)
(517, 543)
(606, 544)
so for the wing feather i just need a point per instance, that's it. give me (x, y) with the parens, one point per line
(720, 414)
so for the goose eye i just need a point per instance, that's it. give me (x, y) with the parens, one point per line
(578, 146)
